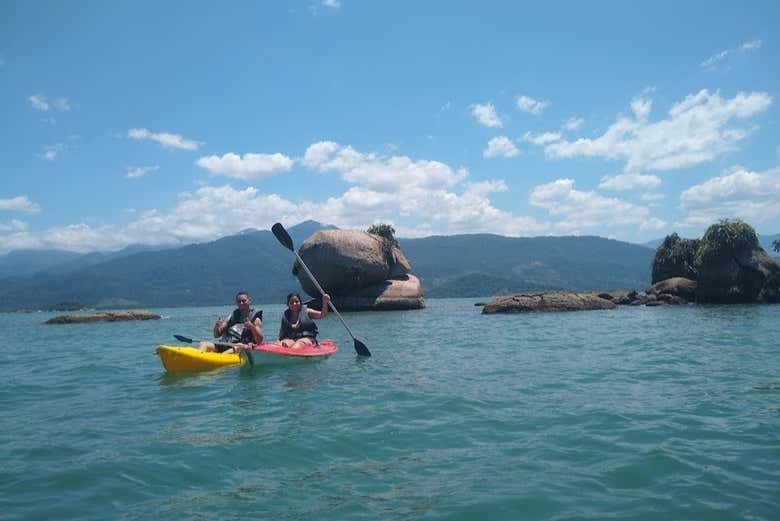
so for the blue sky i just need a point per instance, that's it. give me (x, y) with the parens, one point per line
(179, 122)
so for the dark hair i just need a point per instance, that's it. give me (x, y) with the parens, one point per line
(291, 295)
(243, 293)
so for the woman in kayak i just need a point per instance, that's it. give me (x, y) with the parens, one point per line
(243, 326)
(298, 328)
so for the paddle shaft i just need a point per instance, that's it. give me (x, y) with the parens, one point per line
(322, 292)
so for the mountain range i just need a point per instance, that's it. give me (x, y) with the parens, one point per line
(475, 265)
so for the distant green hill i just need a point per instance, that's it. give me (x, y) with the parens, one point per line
(483, 264)
(211, 273)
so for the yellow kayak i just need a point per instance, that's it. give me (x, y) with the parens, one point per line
(176, 358)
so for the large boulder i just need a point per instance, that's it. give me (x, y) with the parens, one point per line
(552, 301)
(733, 267)
(391, 294)
(359, 270)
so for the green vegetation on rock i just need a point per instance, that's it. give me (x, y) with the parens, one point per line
(383, 230)
(724, 238)
(675, 257)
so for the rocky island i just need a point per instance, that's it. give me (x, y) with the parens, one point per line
(105, 316)
(362, 270)
(726, 266)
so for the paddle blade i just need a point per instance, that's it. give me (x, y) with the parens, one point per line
(361, 349)
(183, 339)
(282, 236)
(247, 351)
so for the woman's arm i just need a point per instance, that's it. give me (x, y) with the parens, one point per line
(322, 313)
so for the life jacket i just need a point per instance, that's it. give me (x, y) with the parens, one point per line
(235, 332)
(307, 328)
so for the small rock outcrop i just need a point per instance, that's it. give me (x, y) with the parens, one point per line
(552, 301)
(107, 316)
(675, 286)
(360, 271)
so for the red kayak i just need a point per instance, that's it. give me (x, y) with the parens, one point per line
(265, 354)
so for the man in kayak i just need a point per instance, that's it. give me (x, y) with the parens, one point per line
(298, 328)
(243, 326)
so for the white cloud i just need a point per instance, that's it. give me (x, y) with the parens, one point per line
(165, 139)
(653, 224)
(653, 197)
(379, 172)
(543, 138)
(641, 107)
(581, 210)
(713, 62)
(20, 203)
(207, 214)
(739, 193)
(500, 146)
(13, 226)
(248, 166)
(418, 196)
(485, 114)
(334, 4)
(697, 130)
(430, 194)
(573, 124)
(135, 172)
(40, 102)
(51, 151)
(528, 104)
(629, 182)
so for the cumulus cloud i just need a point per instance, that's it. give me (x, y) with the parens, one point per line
(165, 139)
(248, 166)
(573, 124)
(629, 182)
(543, 138)
(579, 210)
(42, 103)
(696, 130)
(13, 226)
(738, 193)
(500, 146)
(432, 195)
(486, 115)
(136, 172)
(207, 214)
(528, 104)
(379, 172)
(19, 203)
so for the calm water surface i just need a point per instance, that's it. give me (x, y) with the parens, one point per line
(636, 413)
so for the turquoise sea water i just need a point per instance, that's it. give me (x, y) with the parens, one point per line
(635, 413)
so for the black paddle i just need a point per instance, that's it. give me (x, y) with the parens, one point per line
(248, 352)
(284, 238)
